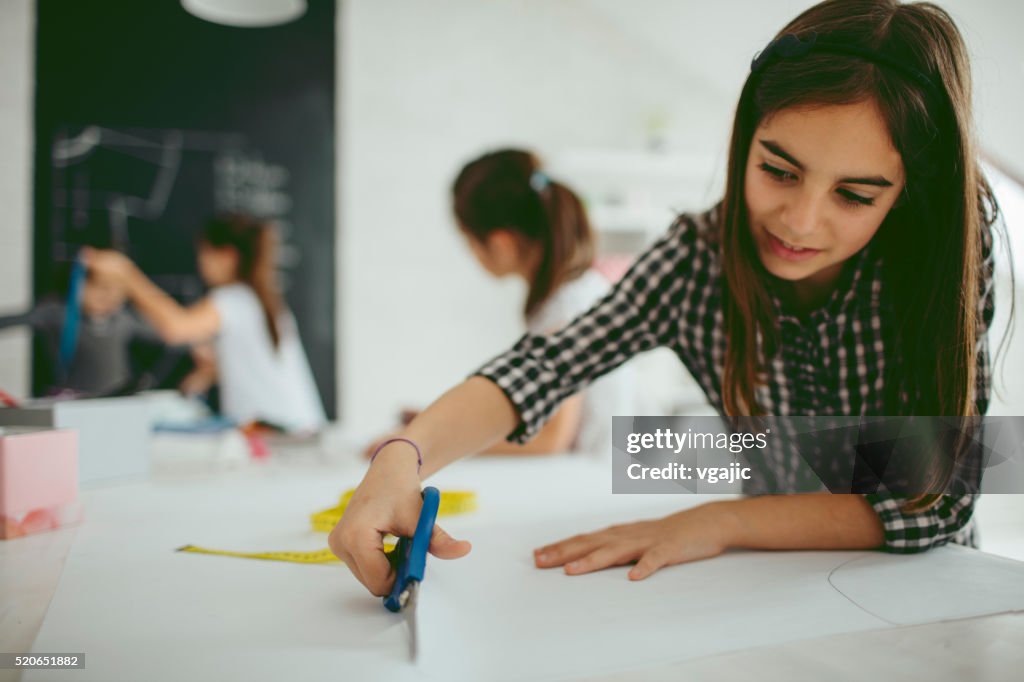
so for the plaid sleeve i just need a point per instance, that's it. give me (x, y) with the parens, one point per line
(639, 313)
(950, 520)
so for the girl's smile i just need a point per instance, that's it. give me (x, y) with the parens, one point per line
(788, 251)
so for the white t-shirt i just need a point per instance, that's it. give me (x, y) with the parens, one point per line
(612, 394)
(258, 381)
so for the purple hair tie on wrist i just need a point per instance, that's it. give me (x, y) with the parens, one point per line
(419, 456)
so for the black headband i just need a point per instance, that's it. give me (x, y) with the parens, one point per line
(790, 46)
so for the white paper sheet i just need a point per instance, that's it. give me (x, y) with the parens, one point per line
(601, 623)
(141, 611)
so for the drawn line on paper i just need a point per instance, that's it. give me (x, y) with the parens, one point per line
(850, 599)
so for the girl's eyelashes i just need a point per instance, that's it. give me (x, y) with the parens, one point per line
(854, 199)
(777, 173)
(851, 199)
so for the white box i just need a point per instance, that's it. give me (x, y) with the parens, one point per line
(113, 433)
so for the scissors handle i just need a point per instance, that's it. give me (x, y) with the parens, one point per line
(411, 553)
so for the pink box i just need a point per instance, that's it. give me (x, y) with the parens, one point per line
(38, 480)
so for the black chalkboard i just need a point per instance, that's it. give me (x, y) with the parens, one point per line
(149, 120)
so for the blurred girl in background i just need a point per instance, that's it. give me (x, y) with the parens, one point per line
(519, 222)
(101, 361)
(261, 367)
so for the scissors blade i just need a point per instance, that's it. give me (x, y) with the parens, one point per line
(409, 611)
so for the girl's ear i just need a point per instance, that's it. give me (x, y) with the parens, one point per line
(503, 245)
(232, 260)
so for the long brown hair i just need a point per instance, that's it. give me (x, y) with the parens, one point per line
(508, 190)
(932, 240)
(254, 241)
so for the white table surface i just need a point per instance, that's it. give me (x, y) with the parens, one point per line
(985, 648)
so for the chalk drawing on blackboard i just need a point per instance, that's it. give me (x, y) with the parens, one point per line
(108, 180)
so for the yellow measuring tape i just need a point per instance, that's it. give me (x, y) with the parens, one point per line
(452, 502)
(320, 556)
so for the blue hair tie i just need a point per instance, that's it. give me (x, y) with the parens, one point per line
(539, 181)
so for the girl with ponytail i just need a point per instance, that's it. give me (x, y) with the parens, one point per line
(261, 367)
(520, 222)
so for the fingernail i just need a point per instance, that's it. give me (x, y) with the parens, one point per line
(542, 557)
(572, 566)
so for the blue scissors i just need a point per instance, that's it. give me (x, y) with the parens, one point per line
(409, 559)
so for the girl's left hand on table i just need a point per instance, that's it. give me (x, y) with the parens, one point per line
(699, 533)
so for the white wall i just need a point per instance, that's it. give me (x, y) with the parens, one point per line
(425, 87)
(17, 66)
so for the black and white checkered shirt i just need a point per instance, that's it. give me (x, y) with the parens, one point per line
(830, 362)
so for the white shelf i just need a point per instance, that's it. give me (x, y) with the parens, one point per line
(632, 195)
